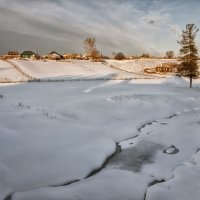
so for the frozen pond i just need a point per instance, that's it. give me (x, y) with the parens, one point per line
(134, 158)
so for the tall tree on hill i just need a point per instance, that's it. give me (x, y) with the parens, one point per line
(189, 53)
(90, 47)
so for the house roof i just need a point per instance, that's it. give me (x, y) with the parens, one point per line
(168, 65)
(28, 53)
(68, 54)
(55, 53)
(13, 53)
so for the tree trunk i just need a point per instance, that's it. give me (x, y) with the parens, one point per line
(190, 81)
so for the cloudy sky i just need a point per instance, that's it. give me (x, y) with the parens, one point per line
(131, 26)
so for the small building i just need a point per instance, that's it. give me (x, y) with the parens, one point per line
(44, 57)
(93, 58)
(53, 55)
(11, 55)
(68, 56)
(85, 56)
(78, 56)
(166, 68)
(163, 68)
(72, 56)
(150, 70)
(29, 55)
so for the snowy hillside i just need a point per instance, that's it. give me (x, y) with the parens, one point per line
(138, 65)
(9, 73)
(69, 70)
(53, 134)
(79, 70)
(74, 70)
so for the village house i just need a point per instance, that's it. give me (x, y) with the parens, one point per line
(167, 68)
(29, 55)
(69, 56)
(11, 55)
(78, 57)
(150, 70)
(44, 57)
(53, 55)
(96, 58)
(163, 68)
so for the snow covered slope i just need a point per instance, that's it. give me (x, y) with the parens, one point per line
(74, 70)
(138, 65)
(8, 73)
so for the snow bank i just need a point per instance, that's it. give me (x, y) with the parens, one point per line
(183, 186)
(46, 152)
(107, 185)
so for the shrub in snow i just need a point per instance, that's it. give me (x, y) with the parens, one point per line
(1, 96)
(120, 56)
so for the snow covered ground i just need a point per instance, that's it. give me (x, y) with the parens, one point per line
(54, 135)
(70, 70)
(76, 70)
(138, 65)
(8, 73)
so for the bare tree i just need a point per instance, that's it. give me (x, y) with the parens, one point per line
(189, 53)
(90, 47)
